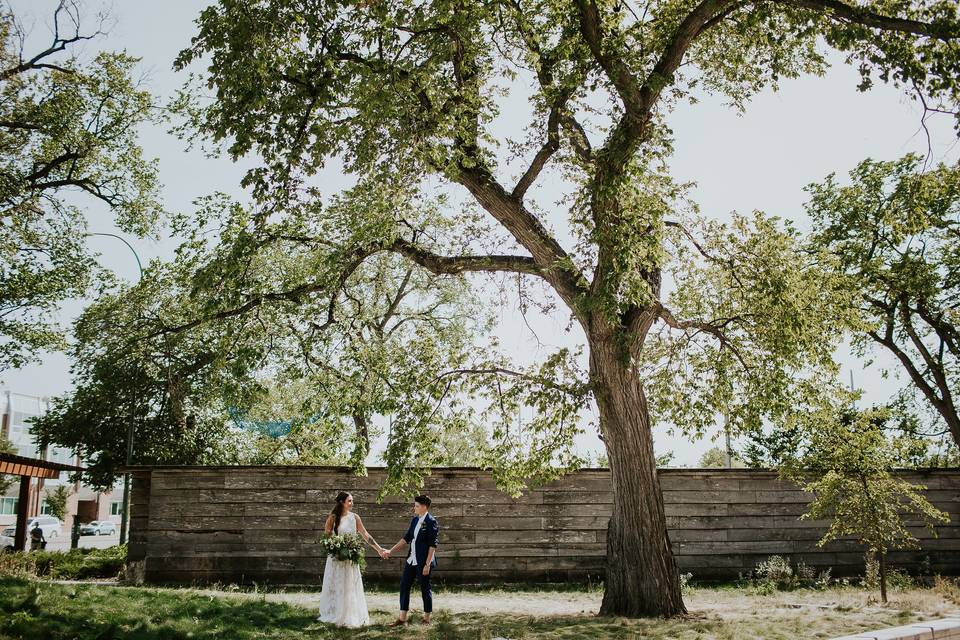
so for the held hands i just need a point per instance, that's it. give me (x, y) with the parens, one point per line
(384, 554)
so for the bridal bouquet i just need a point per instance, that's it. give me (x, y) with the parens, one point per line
(347, 547)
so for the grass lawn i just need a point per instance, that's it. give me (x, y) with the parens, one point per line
(38, 609)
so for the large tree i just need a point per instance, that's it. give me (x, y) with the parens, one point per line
(433, 93)
(68, 137)
(326, 366)
(895, 229)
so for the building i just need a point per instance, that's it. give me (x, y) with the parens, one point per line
(84, 502)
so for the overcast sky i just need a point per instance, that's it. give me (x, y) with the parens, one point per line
(760, 160)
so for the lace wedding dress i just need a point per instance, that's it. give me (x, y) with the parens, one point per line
(342, 601)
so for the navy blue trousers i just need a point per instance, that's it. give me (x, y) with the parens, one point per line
(411, 573)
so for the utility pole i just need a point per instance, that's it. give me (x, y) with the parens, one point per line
(124, 515)
(726, 433)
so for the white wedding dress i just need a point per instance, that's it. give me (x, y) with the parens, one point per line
(342, 601)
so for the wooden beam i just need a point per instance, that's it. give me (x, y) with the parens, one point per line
(36, 467)
(20, 469)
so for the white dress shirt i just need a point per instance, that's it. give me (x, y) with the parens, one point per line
(412, 559)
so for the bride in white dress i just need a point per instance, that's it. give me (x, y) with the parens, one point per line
(342, 601)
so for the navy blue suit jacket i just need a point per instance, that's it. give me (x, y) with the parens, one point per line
(429, 536)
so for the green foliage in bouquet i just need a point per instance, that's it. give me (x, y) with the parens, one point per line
(347, 547)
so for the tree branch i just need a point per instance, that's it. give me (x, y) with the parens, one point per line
(546, 61)
(935, 369)
(667, 316)
(867, 18)
(59, 45)
(448, 265)
(544, 382)
(916, 376)
(578, 138)
(948, 333)
(10, 124)
(47, 168)
(553, 263)
(540, 160)
(614, 67)
(438, 264)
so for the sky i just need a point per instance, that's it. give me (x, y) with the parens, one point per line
(759, 160)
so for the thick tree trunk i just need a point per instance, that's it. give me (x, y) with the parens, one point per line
(641, 575)
(953, 423)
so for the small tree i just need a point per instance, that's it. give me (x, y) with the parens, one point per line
(57, 501)
(716, 458)
(847, 466)
(6, 480)
(665, 459)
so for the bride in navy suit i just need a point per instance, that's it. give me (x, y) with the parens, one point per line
(423, 535)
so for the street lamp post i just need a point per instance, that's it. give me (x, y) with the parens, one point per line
(124, 515)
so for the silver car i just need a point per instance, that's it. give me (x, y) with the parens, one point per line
(6, 543)
(98, 528)
(48, 524)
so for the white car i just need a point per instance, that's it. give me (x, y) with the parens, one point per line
(48, 524)
(6, 543)
(98, 528)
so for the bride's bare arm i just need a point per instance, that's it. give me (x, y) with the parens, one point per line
(366, 535)
(328, 526)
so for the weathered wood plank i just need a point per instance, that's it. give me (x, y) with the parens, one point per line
(241, 524)
(537, 535)
(709, 497)
(503, 512)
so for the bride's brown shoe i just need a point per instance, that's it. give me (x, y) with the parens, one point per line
(425, 621)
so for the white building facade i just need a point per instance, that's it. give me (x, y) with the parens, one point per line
(84, 502)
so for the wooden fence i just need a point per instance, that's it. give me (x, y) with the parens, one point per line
(261, 524)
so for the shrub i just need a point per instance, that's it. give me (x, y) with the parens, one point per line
(823, 579)
(17, 565)
(685, 582)
(76, 564)
(776, 574)
(948, 588)
(806, 576)
(899, 580)
(776, 571)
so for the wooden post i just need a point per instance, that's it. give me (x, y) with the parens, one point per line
(20, 539)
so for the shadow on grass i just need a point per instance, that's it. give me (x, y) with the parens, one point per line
(34, 610)
(87, 612)
(37, 610)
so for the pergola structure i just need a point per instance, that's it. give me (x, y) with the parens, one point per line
(27, 469)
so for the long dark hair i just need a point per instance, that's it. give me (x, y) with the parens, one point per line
(338, 510)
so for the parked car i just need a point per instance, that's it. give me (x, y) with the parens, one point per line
(48, 524)
(98, 528)
(6, 543)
